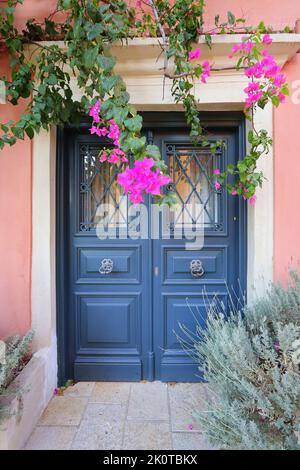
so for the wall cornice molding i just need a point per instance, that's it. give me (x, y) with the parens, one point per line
(147, 52)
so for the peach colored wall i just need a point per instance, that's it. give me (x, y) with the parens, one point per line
(15, 229)
(276, 13)
(15, 170)
(287, 174)
(273, 12)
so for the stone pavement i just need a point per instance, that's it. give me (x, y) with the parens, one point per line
(119, 415)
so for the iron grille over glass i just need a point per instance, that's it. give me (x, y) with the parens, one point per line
(192, 179)
(98, 185)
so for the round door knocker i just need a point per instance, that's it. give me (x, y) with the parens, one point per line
(196, 268)
(106, 266)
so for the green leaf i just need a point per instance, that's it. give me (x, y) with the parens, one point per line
(208, 40)
(119, 114)
(198, 71)
(262, 27)
(239, 62)
(250, 137)
(66, 4)
(52, 79)
(275, 101)
(50, 27)
(134, 124)
(30, 132)
(109, 82)
(230, 168)
(231, 18)
(152, 151)
(95, 31)
(136, 145)
(106, 63)
(90, 57)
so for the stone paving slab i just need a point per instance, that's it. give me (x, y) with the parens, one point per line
(80, 389)
(189, 441)
(147, 435)
(98, 436)
(64, 411)
(51, 438)
(184, 397)
(111, 392)
(148, 400)
(119, 415)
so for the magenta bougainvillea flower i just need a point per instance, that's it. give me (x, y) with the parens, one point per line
(111, 131)
(205, 71)
(195, 55)
(271, 80)
(114, 132)
(95, 111)
(245, 46)
(267, 39)
(100, 131)
(142, 178)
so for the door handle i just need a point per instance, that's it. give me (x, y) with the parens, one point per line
(196, 268)
(106, 266)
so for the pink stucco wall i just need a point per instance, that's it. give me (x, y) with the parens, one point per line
(287, 173)
(15, 170)
(15, 229)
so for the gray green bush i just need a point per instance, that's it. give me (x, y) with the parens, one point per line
(250, 360)
(15, 352)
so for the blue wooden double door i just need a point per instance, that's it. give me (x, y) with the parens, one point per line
(125, 299)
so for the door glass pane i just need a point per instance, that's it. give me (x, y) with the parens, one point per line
(192, 178)
(98, 185)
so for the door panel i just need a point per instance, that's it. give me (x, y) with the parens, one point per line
(126, 264)
(123, 323)
(107, 307)
(180, 298)
(174, 355)
(177, 261)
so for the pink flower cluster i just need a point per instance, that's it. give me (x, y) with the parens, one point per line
(254, 94)
(95, 111)
(205, 71)
(267, 69)
(142, 178)
(217, 183)
(195, 55)
(115, 155)
(246, 45)
(252, 199)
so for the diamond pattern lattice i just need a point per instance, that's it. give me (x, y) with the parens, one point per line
(98, 185)
(191, 171)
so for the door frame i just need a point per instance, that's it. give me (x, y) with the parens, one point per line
(234, 121)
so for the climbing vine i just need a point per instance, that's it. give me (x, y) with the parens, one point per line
(43, 74)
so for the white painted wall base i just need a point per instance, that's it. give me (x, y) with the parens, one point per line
(37, 382)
